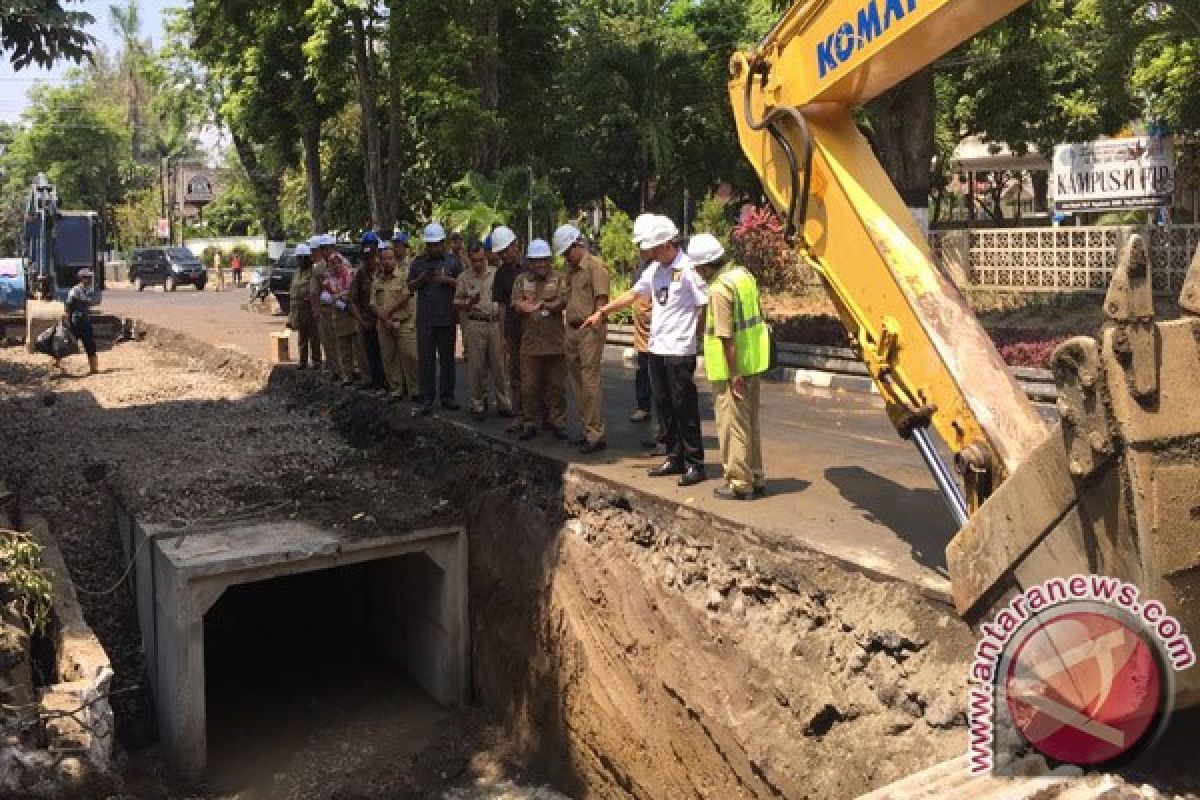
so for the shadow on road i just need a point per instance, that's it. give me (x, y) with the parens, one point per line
(903, 510)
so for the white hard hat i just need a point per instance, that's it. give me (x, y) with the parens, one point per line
(703, 248)
(502, 237)
(564, 237)
(538, 248)
(322, 240)
(303, 250)
(641, 226)
(434, 233)
(660, 231)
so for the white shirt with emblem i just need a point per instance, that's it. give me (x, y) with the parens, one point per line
(677, 293)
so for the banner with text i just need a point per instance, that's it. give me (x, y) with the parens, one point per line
(1137, 172)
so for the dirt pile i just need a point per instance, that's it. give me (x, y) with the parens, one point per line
(620, 648)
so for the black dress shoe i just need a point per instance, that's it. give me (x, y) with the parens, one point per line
(729, 493)
(422, 411)
(578, 441)
(505, 414)
(760, 491)
(450, 405)
(558, 433)
(592, 447)
(692, 476)
(527, 434)
(668, 467)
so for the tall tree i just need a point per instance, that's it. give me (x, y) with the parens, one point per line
(42, 32)
(126, 22)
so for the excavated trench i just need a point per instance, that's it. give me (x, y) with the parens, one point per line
(616, 645)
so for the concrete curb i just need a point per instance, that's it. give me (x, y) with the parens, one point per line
(834, 368)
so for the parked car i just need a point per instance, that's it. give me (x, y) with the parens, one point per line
(169, 267)
(281, 278)
(284, 267)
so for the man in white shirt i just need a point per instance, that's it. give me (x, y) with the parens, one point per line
(678, 295)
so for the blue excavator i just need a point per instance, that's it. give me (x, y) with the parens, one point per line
(55, 245)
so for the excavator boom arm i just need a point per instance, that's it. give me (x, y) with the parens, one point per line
(793, 98)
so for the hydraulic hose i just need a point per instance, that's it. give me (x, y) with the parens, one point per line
(797, 211)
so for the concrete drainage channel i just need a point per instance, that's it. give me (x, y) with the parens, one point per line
(611, 644)
(408, 593)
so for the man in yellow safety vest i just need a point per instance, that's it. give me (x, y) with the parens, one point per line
(737, 351)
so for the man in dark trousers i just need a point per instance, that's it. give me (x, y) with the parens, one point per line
(434, 277)
(679, 294)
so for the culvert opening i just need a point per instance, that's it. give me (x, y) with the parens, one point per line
(296, 666)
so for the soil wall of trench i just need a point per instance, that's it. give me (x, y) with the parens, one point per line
(630, 647)
(622, 646)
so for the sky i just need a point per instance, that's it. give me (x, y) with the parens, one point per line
(15, 85)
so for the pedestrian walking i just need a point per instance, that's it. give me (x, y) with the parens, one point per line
(434, 277)
(301, 317)
(219, 268)
(366, 344)
(482, 339)
(679, 295)
(235, 269)
(79, 303)
(538, 297)
(587, 290)
(507, 249)
(396, 326)
(737, 351)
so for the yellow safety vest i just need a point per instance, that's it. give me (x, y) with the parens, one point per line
(750, 334)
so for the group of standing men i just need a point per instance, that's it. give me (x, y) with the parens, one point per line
(530, 331)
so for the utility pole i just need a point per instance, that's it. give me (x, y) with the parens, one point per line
(529, 210)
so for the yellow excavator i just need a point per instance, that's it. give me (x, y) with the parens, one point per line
(1114, 487)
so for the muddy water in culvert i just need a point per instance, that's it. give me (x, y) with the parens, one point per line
(314, 715)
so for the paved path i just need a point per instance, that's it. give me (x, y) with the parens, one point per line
(840, 481)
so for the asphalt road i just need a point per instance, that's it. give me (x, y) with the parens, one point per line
(840, 480)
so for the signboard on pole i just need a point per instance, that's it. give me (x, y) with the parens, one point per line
(1109, 174)
(163, 228)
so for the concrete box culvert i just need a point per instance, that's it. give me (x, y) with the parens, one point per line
(415, 582)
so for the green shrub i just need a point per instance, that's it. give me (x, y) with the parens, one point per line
(712, 216)
(616, 248)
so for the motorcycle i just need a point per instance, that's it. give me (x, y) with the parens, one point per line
(260, 286)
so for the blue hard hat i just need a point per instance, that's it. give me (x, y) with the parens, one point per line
(487, 243)
(400, 236)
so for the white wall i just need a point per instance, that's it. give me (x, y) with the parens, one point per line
(251, 244)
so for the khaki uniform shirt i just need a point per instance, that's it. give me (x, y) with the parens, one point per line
(475, 285)
(586, 281)
(720, 306)
(386, 292)
(540, 335)
(299, 299)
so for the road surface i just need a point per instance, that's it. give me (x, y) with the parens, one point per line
(840, 481)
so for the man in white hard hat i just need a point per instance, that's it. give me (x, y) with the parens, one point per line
(321, 245)
(482, 339)
(679, 295)
(507, 250)
(300, 311)
(434, 277)
(643, 391)
(539, 298)
(737, 352)
(587, 290)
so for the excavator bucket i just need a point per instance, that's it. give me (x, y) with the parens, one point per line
(1114, 489)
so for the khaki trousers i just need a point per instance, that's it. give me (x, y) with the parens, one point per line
(740, 436)
(544, 386)
(484, 347)
(398, 347)
(309, 341)
(584, 354)
(325, 334)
